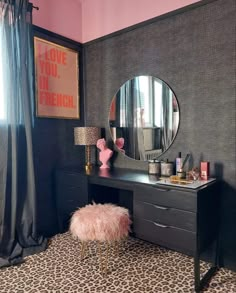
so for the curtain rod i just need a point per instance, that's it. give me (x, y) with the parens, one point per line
(30, 5)
(35, 7)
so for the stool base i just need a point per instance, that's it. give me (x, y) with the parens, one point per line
(104, 251)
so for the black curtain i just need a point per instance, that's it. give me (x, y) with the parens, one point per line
(130, 118)
(18, 212)
(167, 110)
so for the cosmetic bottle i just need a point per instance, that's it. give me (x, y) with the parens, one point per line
(205, 170)
(178, 163)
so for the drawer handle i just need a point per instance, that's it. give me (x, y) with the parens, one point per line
(161, 189)
(160, 225)
(156, 206)
(160, 207)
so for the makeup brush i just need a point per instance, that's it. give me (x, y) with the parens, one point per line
(184, 162)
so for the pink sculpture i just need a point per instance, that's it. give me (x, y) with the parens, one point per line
(105, 153)
(120, 144)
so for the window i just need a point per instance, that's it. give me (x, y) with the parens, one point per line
(158, 108)
(151, 90)
(145, 95)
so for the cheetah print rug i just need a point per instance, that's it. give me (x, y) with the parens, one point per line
(140, 267)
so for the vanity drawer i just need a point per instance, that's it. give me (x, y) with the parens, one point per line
(167, 197)
(69, 178)
(165, 215)
(167, 236)
(71, 194)
(69, 199)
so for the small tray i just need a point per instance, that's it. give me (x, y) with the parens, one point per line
(178, 181)
(184, 182)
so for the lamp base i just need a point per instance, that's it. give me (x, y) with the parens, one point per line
(88, 164)
(88, 168)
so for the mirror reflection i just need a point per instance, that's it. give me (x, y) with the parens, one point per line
(144, 115)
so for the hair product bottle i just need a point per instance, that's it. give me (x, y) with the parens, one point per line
(178, 163)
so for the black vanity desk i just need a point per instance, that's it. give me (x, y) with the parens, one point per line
(178, 218)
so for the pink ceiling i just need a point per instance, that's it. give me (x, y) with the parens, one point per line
(59, 16)
(86, 20)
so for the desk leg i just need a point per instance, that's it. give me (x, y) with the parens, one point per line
(198, 282)
(197, 272)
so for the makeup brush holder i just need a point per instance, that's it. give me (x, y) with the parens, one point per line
(181, 174)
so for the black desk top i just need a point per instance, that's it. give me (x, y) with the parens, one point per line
(135, 177)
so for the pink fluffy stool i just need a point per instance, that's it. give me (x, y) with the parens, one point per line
(103, 223)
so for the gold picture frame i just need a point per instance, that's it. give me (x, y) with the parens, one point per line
(56, 80)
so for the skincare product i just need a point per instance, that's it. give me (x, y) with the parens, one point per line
(178, 163)
(154, 167)
(205, 170)
(167, 168)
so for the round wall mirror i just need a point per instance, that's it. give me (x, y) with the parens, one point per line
(144, 118)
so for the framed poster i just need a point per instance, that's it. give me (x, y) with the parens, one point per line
(56, 80)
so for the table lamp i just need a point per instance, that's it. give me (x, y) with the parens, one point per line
(87, 136)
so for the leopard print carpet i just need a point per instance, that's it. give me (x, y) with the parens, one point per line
(139, 268)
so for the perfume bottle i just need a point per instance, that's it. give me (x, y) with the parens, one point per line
(178, 163)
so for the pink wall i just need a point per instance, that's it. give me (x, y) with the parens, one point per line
(59, 16)
(86, 20)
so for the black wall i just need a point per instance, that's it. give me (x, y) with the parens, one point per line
(194, 52)
(53, 141)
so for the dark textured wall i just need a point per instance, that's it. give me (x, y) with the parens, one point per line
(194, 52)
